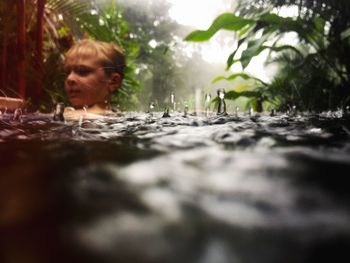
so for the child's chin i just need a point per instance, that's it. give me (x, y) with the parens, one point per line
(77, 103)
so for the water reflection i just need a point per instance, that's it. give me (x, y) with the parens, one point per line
(141, 188)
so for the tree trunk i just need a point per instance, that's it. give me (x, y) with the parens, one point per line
(21, 41)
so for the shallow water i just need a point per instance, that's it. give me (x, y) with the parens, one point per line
(141, 188)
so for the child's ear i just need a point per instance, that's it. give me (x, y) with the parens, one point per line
(115, 82)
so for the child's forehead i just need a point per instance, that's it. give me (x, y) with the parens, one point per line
(83, 59)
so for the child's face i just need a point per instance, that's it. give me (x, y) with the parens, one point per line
(86, 83)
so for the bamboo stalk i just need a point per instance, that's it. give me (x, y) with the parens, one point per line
(39, 47)
(21, 41)
(3, 68)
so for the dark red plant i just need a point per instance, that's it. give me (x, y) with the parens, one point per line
(38, 59)
(21, 42)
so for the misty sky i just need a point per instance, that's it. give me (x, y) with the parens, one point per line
(198, 13)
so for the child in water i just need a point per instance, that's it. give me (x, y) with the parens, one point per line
(94, 71)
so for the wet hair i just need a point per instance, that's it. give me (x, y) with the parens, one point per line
(109, 55)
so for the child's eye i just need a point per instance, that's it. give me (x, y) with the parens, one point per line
(67, 71)
(82, 71)
(79, 70)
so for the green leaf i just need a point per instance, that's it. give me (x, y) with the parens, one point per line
(255, 47)
(243, 87)
(236, 75)
(218, 78)
(232, 95)
(320, 24)
(274, 19)
(231, 60)
(284, 47)
(345, 34)
(225, 21)
(246, 29)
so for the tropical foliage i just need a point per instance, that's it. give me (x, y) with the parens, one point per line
(314, 73)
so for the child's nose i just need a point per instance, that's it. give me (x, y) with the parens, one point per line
(71, 79)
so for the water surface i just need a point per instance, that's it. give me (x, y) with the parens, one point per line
(142, 188)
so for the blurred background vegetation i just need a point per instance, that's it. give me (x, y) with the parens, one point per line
(311, 74)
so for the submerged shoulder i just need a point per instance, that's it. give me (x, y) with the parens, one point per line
(75, 114)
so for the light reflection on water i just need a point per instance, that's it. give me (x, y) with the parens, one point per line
(141, 188)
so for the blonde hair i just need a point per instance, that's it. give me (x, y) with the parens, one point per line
(109, 55)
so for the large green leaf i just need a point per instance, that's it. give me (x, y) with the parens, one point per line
(225, 21)
(244, 87)
(246, 29)
(254, 48)
(345, 34)
(283, 48)
(231, 60)
(232, 95)
(283, 24)
(274, 19)
(236, 75)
